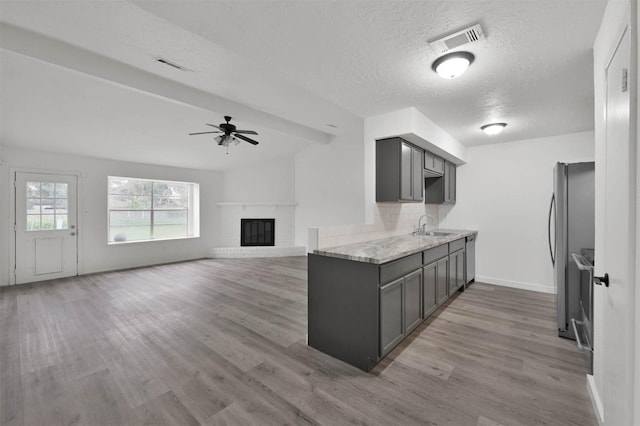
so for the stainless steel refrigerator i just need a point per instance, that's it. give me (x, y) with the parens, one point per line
(571, 229)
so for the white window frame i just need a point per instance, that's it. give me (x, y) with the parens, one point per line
(193, 211)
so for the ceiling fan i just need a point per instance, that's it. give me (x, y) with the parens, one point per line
(229, 133)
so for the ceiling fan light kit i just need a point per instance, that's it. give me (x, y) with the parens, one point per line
(229, 134)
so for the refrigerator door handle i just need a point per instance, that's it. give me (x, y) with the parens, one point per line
(552, 250)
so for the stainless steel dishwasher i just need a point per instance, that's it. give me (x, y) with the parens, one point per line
(470, 258)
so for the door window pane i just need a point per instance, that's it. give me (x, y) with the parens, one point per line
(62, 221)
(47, 189)
(47, 206)
(33, 189)
(62, 189)
(47, 222)
(33, 222)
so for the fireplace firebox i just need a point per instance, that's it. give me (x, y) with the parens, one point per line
(257, 232)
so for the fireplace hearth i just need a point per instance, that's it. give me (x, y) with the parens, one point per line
(257, 232)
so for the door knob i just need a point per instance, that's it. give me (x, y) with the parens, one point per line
(602, 280)
(73, 233)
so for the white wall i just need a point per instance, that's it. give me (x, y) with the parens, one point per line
(329, 182)
(95, 254)
(270, 182)
(504, 192)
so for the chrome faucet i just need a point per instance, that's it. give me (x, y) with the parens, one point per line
(420, 229)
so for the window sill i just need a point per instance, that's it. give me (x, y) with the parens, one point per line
(117, 243)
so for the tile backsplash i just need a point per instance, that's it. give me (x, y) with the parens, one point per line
(390, 219)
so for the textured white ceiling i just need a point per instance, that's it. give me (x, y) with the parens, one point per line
(86, 116)
(307, 63)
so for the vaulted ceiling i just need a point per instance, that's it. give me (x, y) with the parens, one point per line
(80, 76)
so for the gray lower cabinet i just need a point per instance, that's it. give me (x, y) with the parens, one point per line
(434, 286)
(442, 292)
(359, 311)
(429, 279)
(412, 300)
(456, 271)
(391, 315)
(400, 309)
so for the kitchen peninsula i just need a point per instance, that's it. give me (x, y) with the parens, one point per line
(365, 298)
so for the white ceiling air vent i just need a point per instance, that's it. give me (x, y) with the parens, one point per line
(171, 64)
(472, 34)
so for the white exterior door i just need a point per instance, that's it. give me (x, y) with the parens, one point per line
(619, 243)
(46, 241)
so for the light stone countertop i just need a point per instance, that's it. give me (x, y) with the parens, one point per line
(387, 249)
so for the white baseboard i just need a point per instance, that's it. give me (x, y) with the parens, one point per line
(237, 252)
(595, 399)
(517, 284)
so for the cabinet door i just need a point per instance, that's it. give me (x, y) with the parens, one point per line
(429, 280)
(418, 176)
(412, 300)
(445, 183)
(456, 271)
(452, 183)
(406, 175)
(460, 277)
(438, 164)
(442, 274)
(391, 315)
(453, 268)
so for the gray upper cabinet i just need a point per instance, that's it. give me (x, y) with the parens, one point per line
(450, 190)
(441, 190)
(433, 165)
(399, 171)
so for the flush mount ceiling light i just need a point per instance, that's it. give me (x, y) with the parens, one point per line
(452, 64)
(493, 128)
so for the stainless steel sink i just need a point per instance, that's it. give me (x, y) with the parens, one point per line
(438, 233)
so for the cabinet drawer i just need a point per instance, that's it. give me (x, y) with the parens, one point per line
(456, 245)
(434, 254)
(398, 268)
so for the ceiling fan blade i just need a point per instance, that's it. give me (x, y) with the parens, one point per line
(246, 132)
(244, 138)
(201, 133)
(213, 125)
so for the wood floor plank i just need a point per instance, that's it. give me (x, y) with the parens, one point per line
(222, 342)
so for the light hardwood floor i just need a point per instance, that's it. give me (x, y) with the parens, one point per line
(222, 342)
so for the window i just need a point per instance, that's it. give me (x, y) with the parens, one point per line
(143, 210)
(47, 206)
